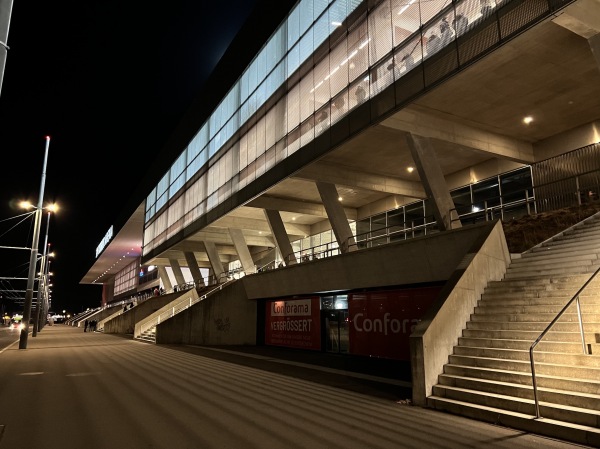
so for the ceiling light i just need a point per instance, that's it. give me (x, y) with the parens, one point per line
(410, 169)
(527, 120)
(339, 198)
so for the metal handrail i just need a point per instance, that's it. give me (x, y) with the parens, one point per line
(179, 307)
(575, 298)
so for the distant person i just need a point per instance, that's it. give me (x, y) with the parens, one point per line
(85, 325)
(434, 44)
(487, 6)
(446, 33)
(408, 61)
(460, 24)
(156, 291)
(361, 94)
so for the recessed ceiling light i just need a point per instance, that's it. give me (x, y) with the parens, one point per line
(527, 120)
(339, 198)
(410, 169)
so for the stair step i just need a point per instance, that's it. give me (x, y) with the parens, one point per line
(591, 328)
(548, 346)
(587, 435)
(524, 335)
(565, 281)
(591, 296)
(535, 317)
(578, 358)
(554, 255)
(586, 308)
(585, 244)
(576, 234)
(524, 391)
(583, 372)
(562, 412)
(591, 386)
(548, 272)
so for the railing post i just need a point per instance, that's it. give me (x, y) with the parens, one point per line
(581, 326)
(534, 383)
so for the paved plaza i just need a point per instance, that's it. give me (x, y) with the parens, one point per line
(71, 389)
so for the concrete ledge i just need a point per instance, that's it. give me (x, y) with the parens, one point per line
(436, 335)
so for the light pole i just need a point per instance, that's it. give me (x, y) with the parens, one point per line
(33, 258)
(37, 325)
(47, 291)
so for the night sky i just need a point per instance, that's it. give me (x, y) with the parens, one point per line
(109, 81)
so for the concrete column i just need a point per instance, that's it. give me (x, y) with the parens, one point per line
(239, 242)
(280, 235)
(214, 259)
(190, 258)
(594, 42)
(433, 181)
(164, 277)
(177, 271)
(337, 217)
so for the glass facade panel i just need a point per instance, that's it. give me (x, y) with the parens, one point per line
(486, 193)
(380, 47)
(380, 32)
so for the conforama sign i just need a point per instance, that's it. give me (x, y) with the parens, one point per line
(381, 322)
(294, 323)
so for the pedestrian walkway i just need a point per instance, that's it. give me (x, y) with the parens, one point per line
(71, 389)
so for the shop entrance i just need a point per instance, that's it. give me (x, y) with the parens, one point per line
(335, 326)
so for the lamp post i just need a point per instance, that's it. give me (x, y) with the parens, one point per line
(47, 291)
(43, 279)
(33, 259)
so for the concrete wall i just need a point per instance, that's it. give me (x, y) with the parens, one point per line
(434, 338)
(229, 317)
(568, 141)
(226, 317)
(431, 258)
(125, 323)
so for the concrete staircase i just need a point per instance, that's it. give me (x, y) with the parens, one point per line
(148, 335)
(488, 377)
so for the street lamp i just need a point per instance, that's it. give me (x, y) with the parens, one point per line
(43, 280)
(33, 259)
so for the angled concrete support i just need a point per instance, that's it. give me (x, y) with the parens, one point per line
(214, 259)
(337, 218)
(190, 258)
(434, 182)
(281, 238)
(239, 242)
(164, 277)
(594, 42)
(177, 271)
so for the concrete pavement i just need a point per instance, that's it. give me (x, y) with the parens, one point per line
(71, 389)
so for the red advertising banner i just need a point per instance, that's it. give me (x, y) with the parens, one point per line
(294, 323)
(381, 322)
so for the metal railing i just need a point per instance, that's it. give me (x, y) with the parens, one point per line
(394, 233)
(178, 307)
(575, 299)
